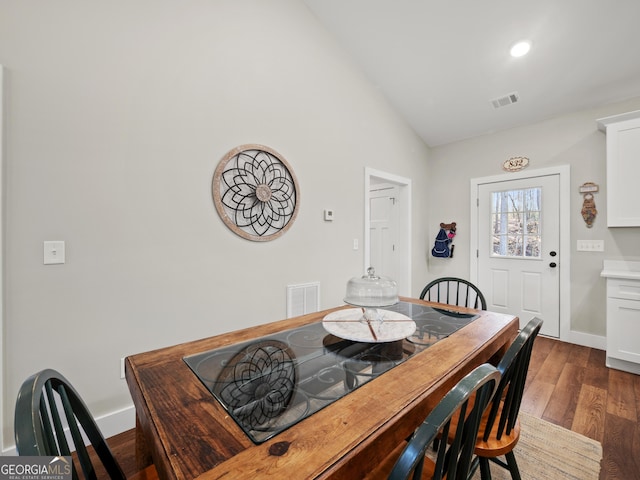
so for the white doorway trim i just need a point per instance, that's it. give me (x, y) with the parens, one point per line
(2, 372)
(565, 238)
(372, 176)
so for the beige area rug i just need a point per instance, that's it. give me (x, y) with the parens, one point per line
(548, 452)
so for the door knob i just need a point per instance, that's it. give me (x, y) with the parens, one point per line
(553, 264)
(553, 254)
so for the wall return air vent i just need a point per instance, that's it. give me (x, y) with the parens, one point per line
(505, 100)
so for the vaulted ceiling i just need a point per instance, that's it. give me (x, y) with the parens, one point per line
(442, 63)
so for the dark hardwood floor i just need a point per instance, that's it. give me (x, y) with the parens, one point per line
(567, 385)
(570, 386)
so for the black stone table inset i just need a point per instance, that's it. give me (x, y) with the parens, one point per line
(273, 382)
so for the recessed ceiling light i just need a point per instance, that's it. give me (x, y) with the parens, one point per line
(520, 49)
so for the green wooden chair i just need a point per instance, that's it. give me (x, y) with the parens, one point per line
(454, 291)
(501, 428)
(452, 460)
(50, 419)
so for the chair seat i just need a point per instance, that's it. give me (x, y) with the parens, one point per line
(494, 447)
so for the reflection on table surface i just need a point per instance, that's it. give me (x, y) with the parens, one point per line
(271, 383)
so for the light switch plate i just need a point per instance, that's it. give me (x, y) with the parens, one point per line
(590, 246)
(328, 215)
(53, 252)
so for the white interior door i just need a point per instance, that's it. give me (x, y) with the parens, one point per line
(518, 254)
(392, 230)
(383, 230)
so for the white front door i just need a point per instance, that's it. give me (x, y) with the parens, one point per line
(518, 257)
(383, 230)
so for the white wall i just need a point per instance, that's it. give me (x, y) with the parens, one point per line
(117, 114)
(568, 140)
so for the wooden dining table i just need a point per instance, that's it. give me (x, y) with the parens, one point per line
(187, 432)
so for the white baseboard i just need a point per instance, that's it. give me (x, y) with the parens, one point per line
(586, 340)
(623, 365)
(110, 424)
(117, 422)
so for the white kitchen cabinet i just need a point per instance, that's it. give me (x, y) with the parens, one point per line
(623, 168)
(623, 315)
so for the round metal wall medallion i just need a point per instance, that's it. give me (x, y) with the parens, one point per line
(256, 192)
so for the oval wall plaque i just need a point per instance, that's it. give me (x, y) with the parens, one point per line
(515, 164)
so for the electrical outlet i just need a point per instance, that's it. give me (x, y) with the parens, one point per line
(122, 367)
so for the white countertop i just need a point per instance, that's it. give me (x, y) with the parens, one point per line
(621, 269)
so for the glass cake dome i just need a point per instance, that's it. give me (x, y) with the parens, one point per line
(371, 290)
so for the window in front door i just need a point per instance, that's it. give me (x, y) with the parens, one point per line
(515, 218)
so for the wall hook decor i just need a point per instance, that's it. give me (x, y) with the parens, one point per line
(443, 247)
(589, 211)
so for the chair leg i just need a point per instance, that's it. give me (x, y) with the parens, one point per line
(474, 466)
(513, 465)
(485, 471)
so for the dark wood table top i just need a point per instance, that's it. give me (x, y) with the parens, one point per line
(187, 433)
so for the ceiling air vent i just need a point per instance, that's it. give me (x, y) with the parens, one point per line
(506, 100)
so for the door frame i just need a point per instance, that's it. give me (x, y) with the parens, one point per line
(2, 232)
(564, 173)
(372, 176)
